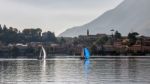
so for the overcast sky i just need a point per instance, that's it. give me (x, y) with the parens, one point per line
(52, 15)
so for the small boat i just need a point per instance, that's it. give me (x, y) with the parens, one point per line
(42, 55)
(85, 54)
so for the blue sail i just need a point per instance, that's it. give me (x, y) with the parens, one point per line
(86, 53)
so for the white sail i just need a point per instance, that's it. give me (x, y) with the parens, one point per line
(44, 53)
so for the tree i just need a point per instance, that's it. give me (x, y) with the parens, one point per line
(49, 37)
(12, 35)
(5, 29)
(62, 40)
(15, 30)
(117, 35)
(32, 35)
(132, 38)
(8, 35)
(0, 28)
(101, 41)
(93, 49)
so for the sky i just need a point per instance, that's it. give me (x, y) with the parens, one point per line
(52, 15)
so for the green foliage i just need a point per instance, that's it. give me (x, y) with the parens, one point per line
(117, 35)
(8, 35)
(12, 35)
(102, 40)
(49, 37)
(93, 49)
(32, 35)
(132, 38)
(1, 29)
(62, 41)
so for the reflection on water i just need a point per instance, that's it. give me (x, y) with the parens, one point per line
(87, 70)
(43, 70)
(43, 65)
(100, 71)
(86, 66)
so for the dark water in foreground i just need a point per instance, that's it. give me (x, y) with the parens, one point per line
(75, 71)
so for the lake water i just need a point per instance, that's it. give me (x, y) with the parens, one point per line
(75, 71)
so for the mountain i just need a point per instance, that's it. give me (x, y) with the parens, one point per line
(130, 15)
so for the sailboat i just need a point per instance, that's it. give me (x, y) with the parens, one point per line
(85, 53)
(42, 54)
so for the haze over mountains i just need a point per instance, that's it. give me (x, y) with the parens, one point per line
(130, 15)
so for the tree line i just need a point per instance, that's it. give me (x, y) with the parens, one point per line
(13, 35)
(131, 40)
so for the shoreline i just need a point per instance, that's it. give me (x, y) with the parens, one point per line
(78, 58)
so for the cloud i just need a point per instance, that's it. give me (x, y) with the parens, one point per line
(53, 15)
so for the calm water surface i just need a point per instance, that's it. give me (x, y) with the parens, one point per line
(75, 71)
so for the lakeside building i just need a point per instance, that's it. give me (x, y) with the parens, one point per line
(74, 46)
(91, 37)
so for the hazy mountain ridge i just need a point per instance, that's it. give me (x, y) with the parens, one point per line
(129, 15)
